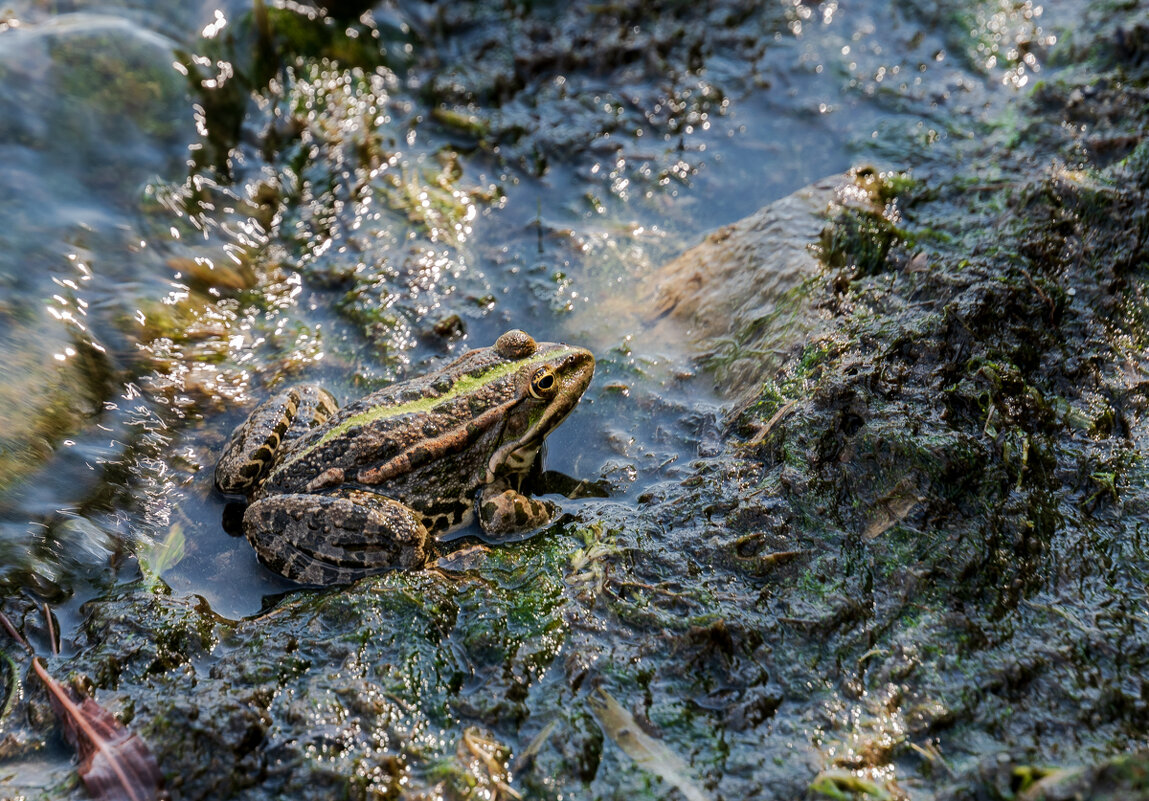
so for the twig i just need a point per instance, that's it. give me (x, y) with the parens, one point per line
(51, 630)
(535, 746)
(764, 430)
(399, 702)
(932, 753)
(13, 686)
(15, 635)
(621, 584)
(1041, 294)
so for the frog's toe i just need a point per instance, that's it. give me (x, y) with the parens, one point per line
(510, 512)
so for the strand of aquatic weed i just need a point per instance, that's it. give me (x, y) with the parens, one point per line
(13, 686)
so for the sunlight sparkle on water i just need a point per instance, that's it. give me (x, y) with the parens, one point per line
(212, 29)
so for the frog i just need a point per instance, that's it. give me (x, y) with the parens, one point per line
(335, 494)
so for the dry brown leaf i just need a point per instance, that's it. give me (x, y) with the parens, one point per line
(892, 509)
(115, 764)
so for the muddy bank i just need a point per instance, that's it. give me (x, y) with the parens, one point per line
(910, 564)
(947, 493)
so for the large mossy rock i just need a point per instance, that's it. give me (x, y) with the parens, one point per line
(90, 110)
(944, 490)
(739, 299)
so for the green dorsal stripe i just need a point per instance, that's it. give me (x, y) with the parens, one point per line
(464, 385)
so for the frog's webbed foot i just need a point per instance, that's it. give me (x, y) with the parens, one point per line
(251, 449)
(335, 538)
(504, 511)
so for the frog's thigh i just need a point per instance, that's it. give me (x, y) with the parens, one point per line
(334, 539)
(252, 446)
(504, 511)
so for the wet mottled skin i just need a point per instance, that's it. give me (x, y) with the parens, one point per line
(337, 494)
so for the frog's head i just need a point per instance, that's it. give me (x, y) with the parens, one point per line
(550, 378)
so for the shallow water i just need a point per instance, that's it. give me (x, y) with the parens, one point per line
(114, 412)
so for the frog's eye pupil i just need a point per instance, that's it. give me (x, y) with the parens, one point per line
(542, 383)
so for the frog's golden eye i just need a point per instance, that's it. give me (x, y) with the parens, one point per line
(543, 383)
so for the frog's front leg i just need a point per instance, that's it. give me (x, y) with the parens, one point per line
(503, 510)
(251, 449)
(334, 538)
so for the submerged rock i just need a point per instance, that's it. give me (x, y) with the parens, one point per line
(736, 298)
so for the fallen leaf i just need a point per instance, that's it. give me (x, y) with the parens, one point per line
(842, 785)
(892, 509)
(115, 764)
(650, 753)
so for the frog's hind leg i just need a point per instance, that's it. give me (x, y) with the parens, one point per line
(314, 406)
(335, 538)
(251, 449)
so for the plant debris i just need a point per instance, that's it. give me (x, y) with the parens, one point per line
(649, 753)
(115, 764)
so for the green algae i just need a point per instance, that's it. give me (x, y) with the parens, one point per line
(1001, 485)
(860, 242)
(374, 672)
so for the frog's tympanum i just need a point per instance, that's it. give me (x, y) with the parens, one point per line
(337, 494)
